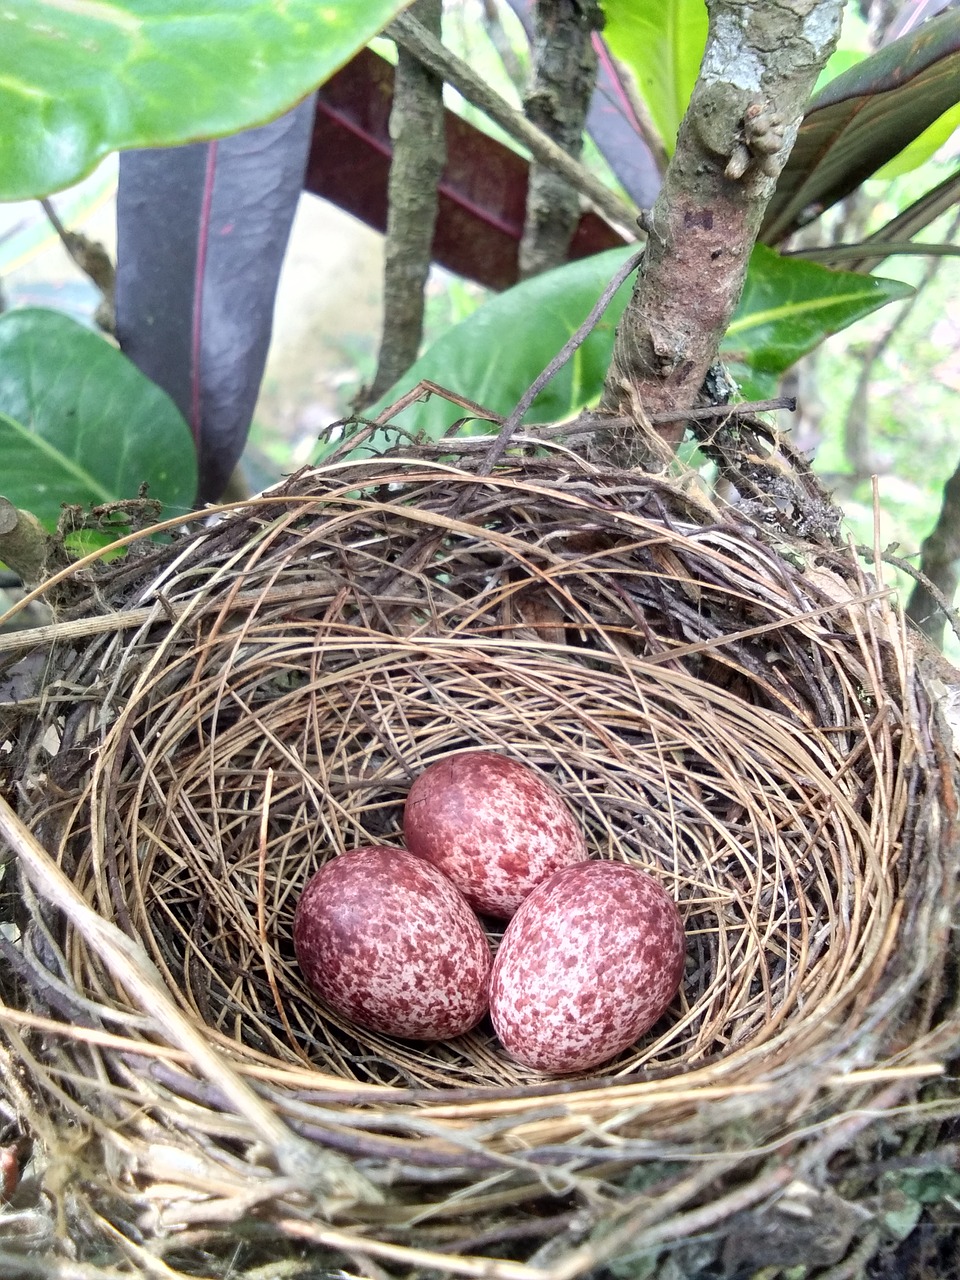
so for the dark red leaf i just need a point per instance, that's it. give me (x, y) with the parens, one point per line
(865, 117)
(483, 190)
(201, 234)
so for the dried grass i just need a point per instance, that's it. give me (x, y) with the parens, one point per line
(742, 716)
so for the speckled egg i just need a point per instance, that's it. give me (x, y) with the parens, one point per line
(388, 942)
(493, 826)
(589, 962)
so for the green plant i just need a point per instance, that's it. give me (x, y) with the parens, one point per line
(246, 63)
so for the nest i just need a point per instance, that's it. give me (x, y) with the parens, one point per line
(738, 713)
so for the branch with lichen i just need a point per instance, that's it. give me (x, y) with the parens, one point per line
(563, 77)
(419, 154)
(759, 67)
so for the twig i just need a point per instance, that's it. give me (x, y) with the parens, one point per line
(411, 35)
(857, 420)
(127, 962)
(922, 583)
(587, 422)
(498, 37)
(556, 364)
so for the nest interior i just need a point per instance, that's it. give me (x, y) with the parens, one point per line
(737, 716)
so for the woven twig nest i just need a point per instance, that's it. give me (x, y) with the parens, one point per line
(735, 713)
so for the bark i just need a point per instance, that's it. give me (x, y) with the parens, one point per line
(24, 543)
(939, 560)
(557, 101)
(760, 64)
(419, 154)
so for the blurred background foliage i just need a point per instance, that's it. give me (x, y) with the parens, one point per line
(878, 399)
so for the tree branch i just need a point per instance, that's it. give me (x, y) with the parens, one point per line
(411, 35)
(557, 101)
(939, 556)
(759, 66)
(856, 424)
(419, 154)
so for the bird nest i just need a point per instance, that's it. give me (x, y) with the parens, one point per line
(738, 713)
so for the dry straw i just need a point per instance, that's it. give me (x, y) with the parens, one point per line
(737, 712)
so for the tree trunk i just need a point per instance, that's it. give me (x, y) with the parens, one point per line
(759, 67)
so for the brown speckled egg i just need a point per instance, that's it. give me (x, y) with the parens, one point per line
(590, 961)
(493, 826)
(388, 942)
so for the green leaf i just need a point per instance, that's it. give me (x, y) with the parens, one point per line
(927, 1186)
(663, 45)
(788, 307)
(922, 147)
(900, 1215)
(81, 78)
(80, 423)
(494, 355)
(864, 118)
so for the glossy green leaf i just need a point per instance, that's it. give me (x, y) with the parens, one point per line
(494, 355)
(80, 423)
(864, 118)
(923, 147)
(662, 44)
(788, 307)
(81, 78)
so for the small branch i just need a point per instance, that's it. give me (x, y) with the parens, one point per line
(557, 101)
(648, 131)
(411, 35)
(850, 256)
(932, 596)
(498, 37)
(419, 154)
(93, 260)
(703, 412)
(856, 423)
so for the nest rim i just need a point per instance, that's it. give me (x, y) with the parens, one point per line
(665, 1100)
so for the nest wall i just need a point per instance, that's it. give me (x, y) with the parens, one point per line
(738, 716)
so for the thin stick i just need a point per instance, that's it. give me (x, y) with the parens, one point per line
(557, 363)
(587, 422)
(951, 614)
